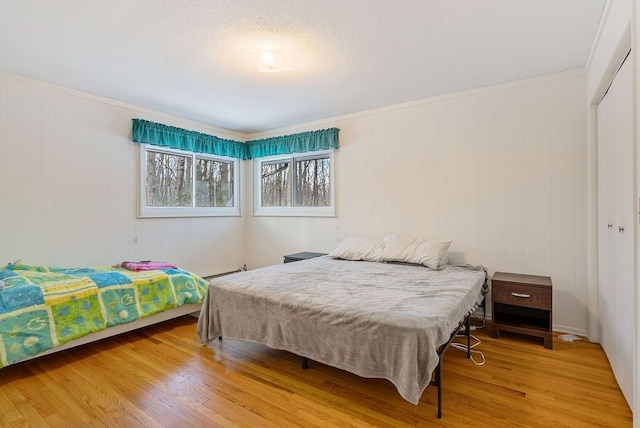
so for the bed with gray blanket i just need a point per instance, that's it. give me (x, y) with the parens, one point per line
(378, 320)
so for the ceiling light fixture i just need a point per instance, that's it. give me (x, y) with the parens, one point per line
(271, 61)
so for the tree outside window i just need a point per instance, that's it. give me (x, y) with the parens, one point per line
(178, 183)
(295, 185)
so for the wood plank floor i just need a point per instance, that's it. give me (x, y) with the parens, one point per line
(163, 376)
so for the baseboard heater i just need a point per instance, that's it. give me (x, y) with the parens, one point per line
(210, 277)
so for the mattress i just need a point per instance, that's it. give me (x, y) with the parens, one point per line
(378, 320)
(42, 308)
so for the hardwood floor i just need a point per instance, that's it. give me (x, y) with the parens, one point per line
(163, 376)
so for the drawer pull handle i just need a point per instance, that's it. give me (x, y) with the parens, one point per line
(524, 296)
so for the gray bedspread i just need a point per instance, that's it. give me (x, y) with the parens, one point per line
(376, 320)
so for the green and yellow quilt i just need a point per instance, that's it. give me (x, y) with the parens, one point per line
(42, 307)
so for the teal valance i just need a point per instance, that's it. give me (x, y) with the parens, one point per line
(295, 143)
(158, 134)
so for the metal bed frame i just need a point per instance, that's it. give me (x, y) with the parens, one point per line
(466, 322)
(438, 371)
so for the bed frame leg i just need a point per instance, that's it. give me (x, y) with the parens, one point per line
(438, 370)
(439, 382)
(219, 337)
(467, 325)
(305, 363)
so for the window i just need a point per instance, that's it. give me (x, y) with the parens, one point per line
(295, 185)
(176, 183)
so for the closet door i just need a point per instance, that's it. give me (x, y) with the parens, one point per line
(607, 295)
(616, 250)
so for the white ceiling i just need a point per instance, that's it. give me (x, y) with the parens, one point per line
(193, 58)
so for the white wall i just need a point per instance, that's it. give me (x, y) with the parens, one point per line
(68, 180)
(501, 171)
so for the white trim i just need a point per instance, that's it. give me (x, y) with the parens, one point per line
(565, 329)
(154, 115)
(635, 57)
(615, 62)
(593, 308)
(294, 212)
(193, 211)
(606, 10)
(331, 121)
(259, 210)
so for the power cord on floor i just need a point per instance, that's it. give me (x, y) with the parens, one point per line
(483, 325)
(462, 347)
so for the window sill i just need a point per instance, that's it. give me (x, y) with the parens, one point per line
(295, 212)
(149, 212)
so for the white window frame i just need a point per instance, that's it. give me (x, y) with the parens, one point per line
(145, 211)
(259, 210)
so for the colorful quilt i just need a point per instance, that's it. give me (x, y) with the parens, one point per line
(41, 307)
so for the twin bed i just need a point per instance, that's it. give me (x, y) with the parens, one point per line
(43, 309)
(379, 320)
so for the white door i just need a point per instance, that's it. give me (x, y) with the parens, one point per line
(606, 236)
(616, 226)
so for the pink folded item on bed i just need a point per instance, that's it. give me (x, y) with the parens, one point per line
(147, 265)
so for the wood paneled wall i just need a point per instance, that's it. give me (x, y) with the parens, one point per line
(501, 171)
(68, 187)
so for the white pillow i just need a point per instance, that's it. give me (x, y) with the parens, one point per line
(414, 250)
(358, 249)
(445, 260)
(400, 249)
(434, 253)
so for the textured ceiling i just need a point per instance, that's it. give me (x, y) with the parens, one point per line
(193, 58)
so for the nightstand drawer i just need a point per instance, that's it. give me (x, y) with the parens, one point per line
(527, 296)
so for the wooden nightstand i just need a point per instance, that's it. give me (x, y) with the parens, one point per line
(301, 256)
(522, 304)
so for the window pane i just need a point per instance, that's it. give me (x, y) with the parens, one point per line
(214, 183)
(276, 187)
(312, 183)
(169, 180)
